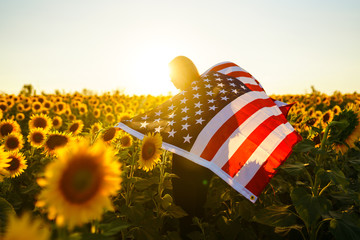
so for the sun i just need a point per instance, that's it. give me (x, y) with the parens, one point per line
(151, 71)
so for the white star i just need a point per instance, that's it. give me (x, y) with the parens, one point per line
(185, 118)
(157, 120)
(171, 133)
(158, 129)
(221, 85)
(216, 74)
(213, 107)
(208, 86)
(225, 98)
(172, 115)
(171, 107)
(206, 80)
(158, 113)
(185, 126)
(222, 91)
(235, 91)
(143, 124)
(183, 100)
(197, 95)
(194, 82)
(144, 117)
(198, 104)
(185, 109)
(199, 112)
(171, 122)
(232, 84)
(200, 120)
(243, 87)
(218, 79)
(183, 92)
(195, 88)
(210, 93)
(211, 100)
(187, 139)
(230, 79)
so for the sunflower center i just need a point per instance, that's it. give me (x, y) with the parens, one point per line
(14, 164)
(6, 129)
(55, 141)
(56, 122)
(81, 181)
(12, 143)
(109, 134)
(148, 150)
(40, 123)
(326, 117)
(125, 141)
(37, 137)
(74, 127)
(37, 106)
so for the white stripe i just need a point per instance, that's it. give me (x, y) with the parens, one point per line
(242, 133)
(279, 103)
(231, 69)
(221, 117)
(264, 150)
(247, 80)
(221, 63)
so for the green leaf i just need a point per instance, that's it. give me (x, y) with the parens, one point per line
(276, 216)
(294, 168)
(310, 208)
(6, 209)
(176, 211)
(337, 176)
(343, 229)
(305, 145)
(112, 228)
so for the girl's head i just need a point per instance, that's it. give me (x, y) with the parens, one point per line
(183, 72)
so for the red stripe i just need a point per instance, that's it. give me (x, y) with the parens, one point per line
(222, 66)
(277, 157)
(225, 131)
(251, 143)
(255, 88)
(239, 74)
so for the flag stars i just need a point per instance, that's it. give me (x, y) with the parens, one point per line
(213, 107)
(172, 115)
(187, 138)
(196, 95)
(183, 101)
(185, 126)
(199, 121)
(225, 98)
(218, 79)
(223, 91)
(234, 91)
(184, 110)
(158, 129)
(232, 84)
(157, 120)
(198, 104)
(183, 92)
(210, 93)
(195, 88)
(172, 133)
(206, 80)
(171, 123)
(208, 86)
(144, 117)
(171, 107)
(221, 85)
(211, 100)
(185, 118)
(144, 124)
(199, 112)
(158, 113)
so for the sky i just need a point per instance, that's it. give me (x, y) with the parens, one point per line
(103, 46)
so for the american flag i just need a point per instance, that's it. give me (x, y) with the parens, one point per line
(226, 125)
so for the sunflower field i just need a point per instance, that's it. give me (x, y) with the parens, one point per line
(67, 173)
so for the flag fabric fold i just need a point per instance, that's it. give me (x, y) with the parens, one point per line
(226, 124)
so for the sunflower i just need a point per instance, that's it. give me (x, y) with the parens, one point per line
(26, 227)
(57, 122)
(37, 137)
(83, 109)
(3, 106)
(123, 117)
(76, 127)
(97, 113)
(4, 162)
(20, 107)
(47, 104)
(150, 151)
(54, 141)
(14, 142)
(327, 117)
(40, 121)
(20, 116)
(1, 114)
(110, 118)
(78, 185)
(17, 164)
(110, 134)
(60, 108)
(125, 140)
(95, 128)
(345, 135)
(336, 110)
(36, 107)
(7, 127)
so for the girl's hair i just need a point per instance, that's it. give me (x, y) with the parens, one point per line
(183, 66)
